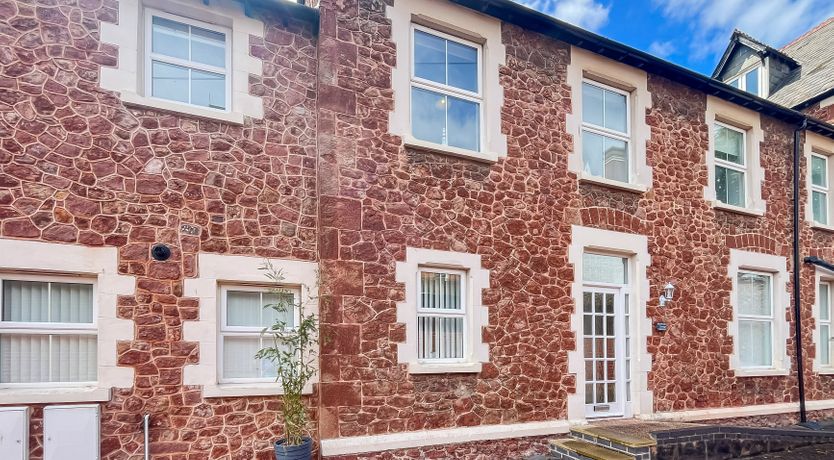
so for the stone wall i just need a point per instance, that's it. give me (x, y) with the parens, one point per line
(79, 167)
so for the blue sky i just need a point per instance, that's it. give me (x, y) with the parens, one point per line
(692, 33)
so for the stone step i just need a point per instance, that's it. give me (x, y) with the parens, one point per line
(576, 449)
(629, 439)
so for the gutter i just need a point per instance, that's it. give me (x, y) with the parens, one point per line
(797, 267)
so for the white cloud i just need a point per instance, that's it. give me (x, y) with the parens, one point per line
(662, 49)
(774, 22)
(588, 14)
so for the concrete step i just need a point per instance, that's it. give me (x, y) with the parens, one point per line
(629, 439)
(576, 449)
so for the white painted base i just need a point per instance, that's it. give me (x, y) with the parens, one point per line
(737, 412)
(378, 443)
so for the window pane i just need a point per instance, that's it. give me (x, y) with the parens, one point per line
(208, 89)
(819, 206)
(442, 291)
(169, 82)
(729, 186)
(239, 357)
(73, 358)
(600, 268)
(751, 80)
(615, 111)
(754, 294)
(729, 145)
(819, 173)
(593, 153)
(169, 38)
(243, 308)
(823, 303)
(429, 57)
(47, 358)
(755, 343)
(285, 301)
(463, 66)
(616, 160)
(439, 338)
(592, 104)
(734, 82)
(825, 344)
(428, 116)
(208, 47)
(25, 301)
(464, 124)
(71, 303)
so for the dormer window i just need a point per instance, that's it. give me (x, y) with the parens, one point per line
(750, 81)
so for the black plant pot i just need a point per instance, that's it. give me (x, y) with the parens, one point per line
(303, 451)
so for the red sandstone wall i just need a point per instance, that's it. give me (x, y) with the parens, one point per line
(517, 214)
(78, 167)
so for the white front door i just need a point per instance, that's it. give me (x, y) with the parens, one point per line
(604, 343)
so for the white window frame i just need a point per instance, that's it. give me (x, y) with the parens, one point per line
(247, 331)
(610, 133)
(740, 80)
(447, 90)
(149, 56)
(742, 168)
(43, 328)
(821, 341)
(824, 189)
(464, 312)
(771, 320)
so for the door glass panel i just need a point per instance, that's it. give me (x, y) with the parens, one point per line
(598, 268)
(601, 353)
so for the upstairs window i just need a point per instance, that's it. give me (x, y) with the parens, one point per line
(819, 188)
(749, 81)
(730, 165)
(605, 132)
(48, 331)
(824, 305)
(441, 315)
(446, 93)
(246, 312)
(755, 319)
(187, 61)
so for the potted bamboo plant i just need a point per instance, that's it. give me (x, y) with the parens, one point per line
(293, 350)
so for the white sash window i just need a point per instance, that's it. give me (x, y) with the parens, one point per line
(441, 315)
(48, 332)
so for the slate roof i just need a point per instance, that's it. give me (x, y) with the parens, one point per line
(741, 38)
(815, 53)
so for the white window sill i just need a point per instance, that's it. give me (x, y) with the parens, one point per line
(134, 99)
(54, 395)
(231, 390)
(825, 370)
(485, 157)
(444, 368)
(761, 372)
(823, 227)
(737, 209)
(601, 181)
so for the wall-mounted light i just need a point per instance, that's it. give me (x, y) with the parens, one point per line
(668, 294)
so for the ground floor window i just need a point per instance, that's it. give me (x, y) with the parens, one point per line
(48, 330)
(755, 319)
(441, 315)
(824, 323)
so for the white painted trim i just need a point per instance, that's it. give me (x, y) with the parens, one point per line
(101, 264)
(128, 77)
(215, 269)
(824, 147)
(776, 266)
(635, 248)
(587, 66)
(719, 413)
(727, 113)
(821, 275)
(378, 443)
(477, 279)
(447, 18)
